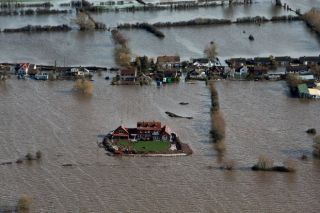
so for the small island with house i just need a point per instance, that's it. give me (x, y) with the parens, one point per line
(148, 138)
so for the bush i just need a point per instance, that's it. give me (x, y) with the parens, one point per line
(220, 146)
(84, 86)
(218, 126)
(38, 154)
(29, 156)
(214, 97)
(24, 203)
(19, 161)
(264, 163)
(312, 131)
(119, 38)
(316, 146)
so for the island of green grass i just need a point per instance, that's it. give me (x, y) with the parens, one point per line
(148, 138)
(145, 146)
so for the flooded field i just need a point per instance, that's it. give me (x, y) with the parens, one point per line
(47, 116)
(96, 48)
(261, 120)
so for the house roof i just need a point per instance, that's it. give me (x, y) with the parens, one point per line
(297, 68)
(309, 59)
(262, 59)
(201, 60)
(128, 71)
(306, 77)
(236, 60)
(120, 134)
(149, 125)
(168, 59)
(166, 129)
(283, 58)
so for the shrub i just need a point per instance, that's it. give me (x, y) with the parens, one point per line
(24, 203)
(218, 126)
(29, 156)
(220, 146)
(264, 163)
(214, 97)
(19, 161)
(38, 154)
(119, 38)
(316, 146)
(84, 86)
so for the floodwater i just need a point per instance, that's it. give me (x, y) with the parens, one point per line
(261, 120)
(96, 48)
(47, 116)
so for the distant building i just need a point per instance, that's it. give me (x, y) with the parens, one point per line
(168, 61)
(300, 69)
(309, 60)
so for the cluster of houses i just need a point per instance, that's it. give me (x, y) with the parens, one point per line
(23, 70)
(272, 68)
(165, 70)
(168, 69)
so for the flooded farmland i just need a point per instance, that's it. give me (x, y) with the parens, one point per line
(261, 119)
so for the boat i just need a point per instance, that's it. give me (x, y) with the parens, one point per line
(107, 78)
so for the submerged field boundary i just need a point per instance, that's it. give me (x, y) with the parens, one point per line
(152, 28)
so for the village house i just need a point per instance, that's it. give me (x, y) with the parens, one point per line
(258, 72)
(300, 69)
(166, 62)
(262, 61)
(236, 61)
(79, 72)
(22, 69)
(145, 130)
(204, 62)
(283, 60)
(128, 74)
(216, 71)
(310, 60)
(166, 76)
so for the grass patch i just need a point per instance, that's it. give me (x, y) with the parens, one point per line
(145, 146)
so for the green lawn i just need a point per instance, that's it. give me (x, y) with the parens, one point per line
(147, 146)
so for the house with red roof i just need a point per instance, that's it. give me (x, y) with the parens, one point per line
(145, 130)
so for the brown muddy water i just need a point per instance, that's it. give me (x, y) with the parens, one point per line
(261, 120)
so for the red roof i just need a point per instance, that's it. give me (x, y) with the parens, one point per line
(128, 71)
